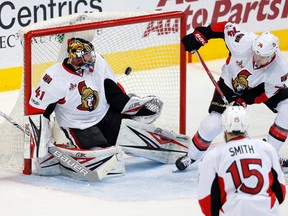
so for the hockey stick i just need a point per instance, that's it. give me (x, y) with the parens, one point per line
(214, 81)
(83, 171)
(212, 78)
(9, 119)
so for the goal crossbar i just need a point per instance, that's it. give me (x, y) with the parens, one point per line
(158, 62)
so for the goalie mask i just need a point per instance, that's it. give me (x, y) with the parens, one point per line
(80, 52)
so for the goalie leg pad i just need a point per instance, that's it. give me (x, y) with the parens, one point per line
(106, 162)
(47, 165)
(151, 142)
(41, 133)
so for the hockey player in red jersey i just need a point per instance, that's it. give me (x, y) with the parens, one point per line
(255, 72)
(242, 176)
(94, 111)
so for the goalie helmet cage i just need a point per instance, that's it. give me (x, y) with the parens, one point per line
(148, 42)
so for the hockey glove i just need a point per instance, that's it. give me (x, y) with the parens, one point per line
(240, 102)
(194, 41)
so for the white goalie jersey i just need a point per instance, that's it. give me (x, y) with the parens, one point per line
(81, 100)
(241, 177)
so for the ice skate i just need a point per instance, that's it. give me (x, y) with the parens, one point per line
(183, 162)
(284, 164)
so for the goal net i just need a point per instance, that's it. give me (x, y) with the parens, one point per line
(147, 42)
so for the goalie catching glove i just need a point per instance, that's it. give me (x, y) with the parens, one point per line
(145, 110)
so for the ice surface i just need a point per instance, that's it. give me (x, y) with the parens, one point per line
(148, 188)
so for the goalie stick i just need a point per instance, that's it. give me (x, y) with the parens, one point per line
(73, 164)
(86, 173)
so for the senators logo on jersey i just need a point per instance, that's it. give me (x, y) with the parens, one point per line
(89, 97)
(240, 83)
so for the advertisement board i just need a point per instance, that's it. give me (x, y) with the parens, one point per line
(258, 16)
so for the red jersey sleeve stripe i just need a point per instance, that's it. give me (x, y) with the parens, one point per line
(278, 132)
(218, 27)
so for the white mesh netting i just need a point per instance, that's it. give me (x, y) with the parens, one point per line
(151, 48)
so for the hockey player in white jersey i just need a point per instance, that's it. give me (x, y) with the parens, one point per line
(242, 176)
(255, 72)
(94, 111)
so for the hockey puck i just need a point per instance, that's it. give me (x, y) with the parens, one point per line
(128, 70)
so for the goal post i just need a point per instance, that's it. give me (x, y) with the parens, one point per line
(147, 42)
